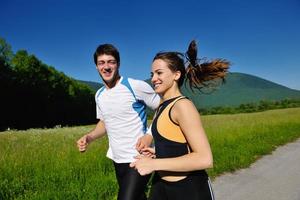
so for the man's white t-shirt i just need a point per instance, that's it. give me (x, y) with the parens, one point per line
(122, 109)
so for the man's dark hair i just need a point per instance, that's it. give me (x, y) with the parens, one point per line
(107, 49)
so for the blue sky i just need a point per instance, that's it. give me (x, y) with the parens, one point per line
(260, 37)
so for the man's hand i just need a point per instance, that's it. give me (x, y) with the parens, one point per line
(143, 142)
(83, 142)
(148, 152)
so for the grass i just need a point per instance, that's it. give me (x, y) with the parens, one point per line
(45, 163)
(238, 140)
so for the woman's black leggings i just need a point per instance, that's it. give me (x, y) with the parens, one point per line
(132, 185)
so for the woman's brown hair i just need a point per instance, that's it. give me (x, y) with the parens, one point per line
(199, 75)
(204, 74)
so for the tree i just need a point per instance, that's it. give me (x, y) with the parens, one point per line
(6, 84)
(37, 95)
(6, 53)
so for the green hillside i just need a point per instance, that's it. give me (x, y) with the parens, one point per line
(94, 85)
(239, 89)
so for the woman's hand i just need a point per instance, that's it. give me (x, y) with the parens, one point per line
(143, 164)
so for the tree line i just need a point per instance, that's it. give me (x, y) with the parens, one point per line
(245, 108)
(34, 94)
(252, 107)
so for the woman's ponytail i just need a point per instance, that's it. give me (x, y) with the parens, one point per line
(206, 74)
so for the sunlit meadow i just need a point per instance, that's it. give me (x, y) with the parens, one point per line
(45, 163)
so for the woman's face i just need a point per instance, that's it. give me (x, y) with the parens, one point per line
(162, 77)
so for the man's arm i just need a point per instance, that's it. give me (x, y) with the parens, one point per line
(145, 93)
(98, 132)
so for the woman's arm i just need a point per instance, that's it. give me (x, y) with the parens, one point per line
(186, 115)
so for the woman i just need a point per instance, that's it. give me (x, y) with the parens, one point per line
(182, 150)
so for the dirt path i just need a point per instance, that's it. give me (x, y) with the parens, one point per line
(273, 177)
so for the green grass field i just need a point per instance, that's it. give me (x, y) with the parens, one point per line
(45, 163)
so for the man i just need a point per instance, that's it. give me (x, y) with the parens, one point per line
(121, 113)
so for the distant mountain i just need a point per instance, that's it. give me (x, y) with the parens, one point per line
(239, 89)
(93, 85)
